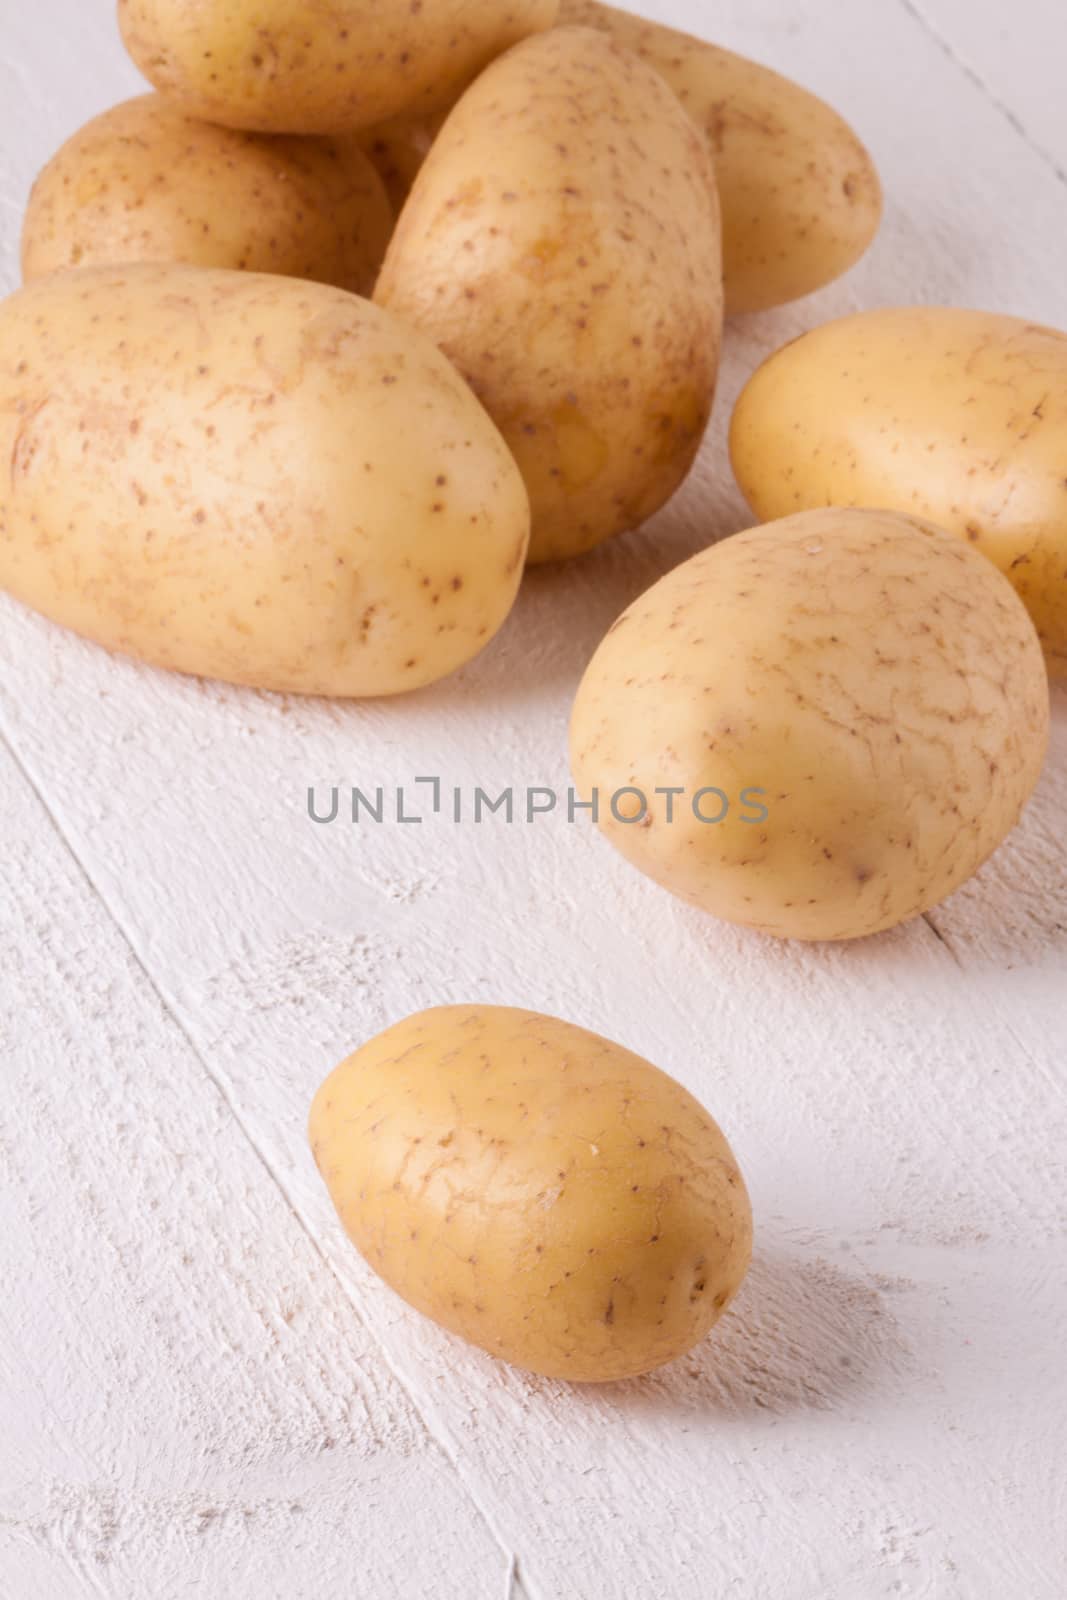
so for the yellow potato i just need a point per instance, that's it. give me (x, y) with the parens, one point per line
(250, 478)
(959, 416)
(801, 200)
(851, 706)
(143, 182)
(535, 1188)
(561, 245)
(320, 66)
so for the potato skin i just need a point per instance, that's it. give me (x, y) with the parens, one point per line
(561, 245)
(874, 677)
(546, 1194)
(320, 66)
(143, 182)
(801, 199)
(250, 478)
(959, 416)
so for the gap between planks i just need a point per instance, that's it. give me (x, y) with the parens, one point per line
(1011, 117)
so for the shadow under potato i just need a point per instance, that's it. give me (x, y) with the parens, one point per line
(804, 1334)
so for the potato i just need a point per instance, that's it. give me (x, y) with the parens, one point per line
(960, 416)
(850, 705)
(561, 244)
(801, 200)
(250, 478)
(535, 1188)
(143, 182)
(320, 66)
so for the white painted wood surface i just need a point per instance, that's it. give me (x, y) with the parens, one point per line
(204, 1389)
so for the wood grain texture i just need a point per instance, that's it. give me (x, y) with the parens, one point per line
(881, 1413)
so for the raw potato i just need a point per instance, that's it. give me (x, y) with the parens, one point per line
(250, 478)
(959, 416)
(535, 1188)
(561, 244)
(320, 66)
(878, 683)
(801, 200)
(143, 182)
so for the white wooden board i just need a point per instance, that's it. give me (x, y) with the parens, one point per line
(191, 1350)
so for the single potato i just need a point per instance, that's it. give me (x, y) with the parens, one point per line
(561, 245)
(959, 416)
(535, 1188)
(250, 478)
(801, 200)
(144, 182)
(320, 66)
(870, 686)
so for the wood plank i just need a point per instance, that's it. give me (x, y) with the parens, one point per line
(191, 1401)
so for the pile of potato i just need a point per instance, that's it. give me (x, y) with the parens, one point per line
(363, 308)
